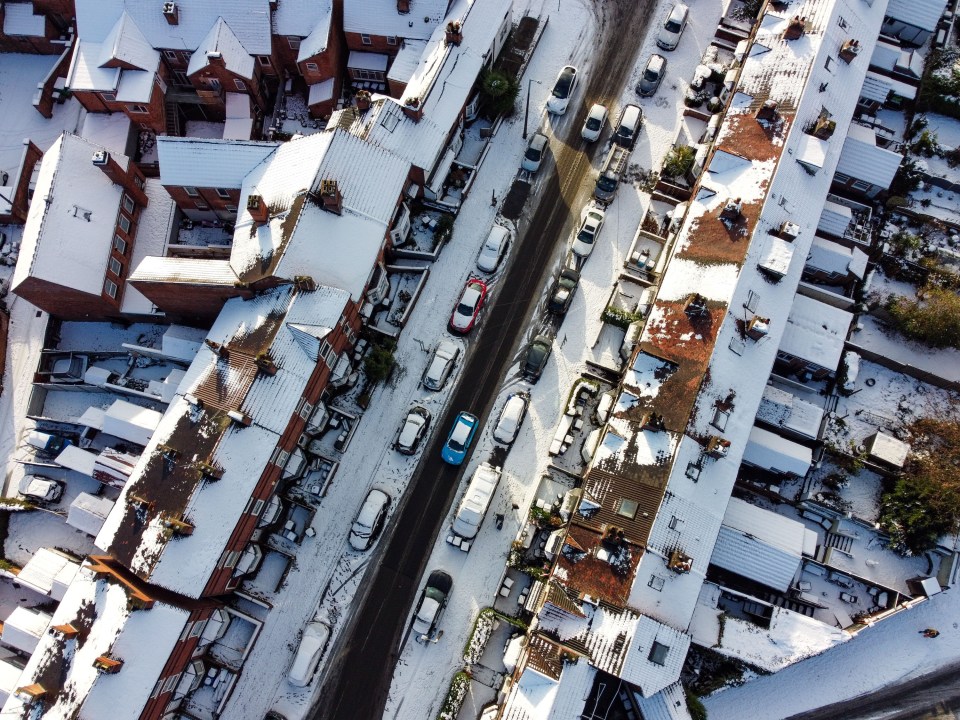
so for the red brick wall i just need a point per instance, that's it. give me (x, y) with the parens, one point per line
(216, 205)
(228, 81)
(61, 12)
(67, 303)
(18, 213)
(32, 45)
(154, 117)
(378, 44)
(190, 304)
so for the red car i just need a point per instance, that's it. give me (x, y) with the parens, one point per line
(465, 313)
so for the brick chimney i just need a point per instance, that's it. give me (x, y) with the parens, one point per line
(796, 28)
(413, 109)
(171, 12)
(215, 57)
(454, 33)
(118, 176)
(257, 207)
(849, 51)
(403, 6)
(331, 197)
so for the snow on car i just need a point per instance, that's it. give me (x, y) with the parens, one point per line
(465, 314)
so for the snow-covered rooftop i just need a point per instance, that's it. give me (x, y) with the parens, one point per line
(380, 17)
(18, 19)
(864, 160)
(776, 453)
(832, 257)
(137, 534)
(109, 625)
(221, 43)
(924, 14)
(69, 229)
(49, 572)
(816, 332)
(784, 409)
(209, 163)
(249, 20)
(760, 545)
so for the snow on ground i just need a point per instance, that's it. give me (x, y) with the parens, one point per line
(890, 652)
(19, 75)
(873, 334)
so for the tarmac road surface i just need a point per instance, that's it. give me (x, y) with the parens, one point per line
(360, 669)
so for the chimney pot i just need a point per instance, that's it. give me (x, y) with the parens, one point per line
(331, 196)
(171, 12)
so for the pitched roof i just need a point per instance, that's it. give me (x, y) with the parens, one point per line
(924, 14)
(863, 159)
(380, 17)
(249, 19)
(816, 332)
(222, 42)
(209, 163)
(126, 44)
(69, 229)
(318, 39)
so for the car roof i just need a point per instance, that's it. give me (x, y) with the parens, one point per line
(513, 407)
(656, 62)
(597, 110)
(470, 296)
(376, 499)
(447, 348)
(538, 141)
(498, 233)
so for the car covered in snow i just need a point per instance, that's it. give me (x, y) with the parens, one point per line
(494, 248)
(458, 441)
(535, 152)
(465, 314)
(312, 644)
(442, 362)
(535, 360)
(411, 432)
(652, 76)
(563, 90)
(37, 488)
(589, 230)
(511, 418)
(562, 292)
(669, 36)
(593, 125)
(431, 604)
(369, 520)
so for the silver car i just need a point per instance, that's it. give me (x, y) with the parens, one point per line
(441, 365)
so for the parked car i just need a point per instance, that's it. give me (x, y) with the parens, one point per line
(625, 134)
(588, 232)
(412, 430)
(593, 125)
(563, 90)
(465, 314)
(494, 248)
(46, 444)
(653, 73)
(511, 417)
(441, 365)
(562, 292)
(369, 522)
(458, 441)
(312, 644)
(432, 602)
(40, 489)
(669, 36)
(535, 152)
(538, 352)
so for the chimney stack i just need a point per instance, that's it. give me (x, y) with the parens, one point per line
(403, 6)
(331, 197)
(257, 207)
(118, 176)
(171, 12)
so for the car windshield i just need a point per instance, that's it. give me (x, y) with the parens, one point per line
(533, 154)
(593, 123)
(562, 88)
(464, 309)
(607, 184)
(650, 75)
(671, 26)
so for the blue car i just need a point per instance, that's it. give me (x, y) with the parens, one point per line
(459, 439)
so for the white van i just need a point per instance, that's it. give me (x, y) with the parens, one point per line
(476, 501)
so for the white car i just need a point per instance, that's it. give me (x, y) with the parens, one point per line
(511, 417)
(494, 248)
(369, 520)
(432, 601)
(589, 230)
(535, 152)
(40, 489)
(593, 125)
(312, 644)
(414, 427)
(669, 36)
(441, 365)
(563, 90)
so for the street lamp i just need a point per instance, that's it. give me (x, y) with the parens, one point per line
(526, 112)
